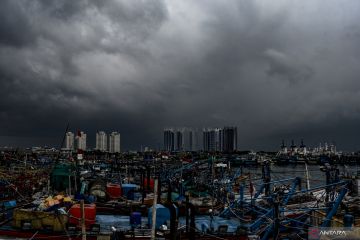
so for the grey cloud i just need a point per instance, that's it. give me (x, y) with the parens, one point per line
(284, 66)
(63, 9)
(15, 26)
(137, 66)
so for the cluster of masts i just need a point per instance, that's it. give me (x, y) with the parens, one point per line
(302, 149)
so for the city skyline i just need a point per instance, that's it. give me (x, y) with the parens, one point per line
(103, 142)
(91, 143)
(275, 69)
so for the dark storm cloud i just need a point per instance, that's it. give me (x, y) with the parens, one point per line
(283, 66)
(283, 69)
(63, 9)
(15, 29)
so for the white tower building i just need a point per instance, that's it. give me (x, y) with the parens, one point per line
(101, 141)
(114, 142)
(69, 141)
(81, 140)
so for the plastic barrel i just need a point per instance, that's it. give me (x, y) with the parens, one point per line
(135, 218)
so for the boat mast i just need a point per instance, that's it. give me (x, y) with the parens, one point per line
(307, 177)
(153, 227)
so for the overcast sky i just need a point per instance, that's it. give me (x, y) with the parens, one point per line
(279, 69)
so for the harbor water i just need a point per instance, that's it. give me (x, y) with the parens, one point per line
(315, 175)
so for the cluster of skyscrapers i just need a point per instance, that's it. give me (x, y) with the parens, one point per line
(181, 139)
(213, 139)
(109, 142)
(75, 142)
(104, 142)
(175, 139)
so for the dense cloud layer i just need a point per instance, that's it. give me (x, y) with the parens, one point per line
(276, 69)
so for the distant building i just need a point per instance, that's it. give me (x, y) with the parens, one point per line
(180, 146)
(114, 142)
(190, 140)
(212, 139)
(208, 140)
(219, 139)
(69, 141)
(229, 139)
(190, 137)
(196, 140)
(148, 149)
(101, 141)
(169, 139)
(181, 139)
(80, 140)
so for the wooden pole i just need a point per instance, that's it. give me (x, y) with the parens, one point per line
(83, 228)
(153, 227)
(69, 184)
(48, 186)
(75, 183)
(307, 177)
